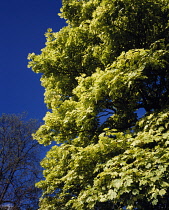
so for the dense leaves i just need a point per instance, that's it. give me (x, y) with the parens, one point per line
(111, 60)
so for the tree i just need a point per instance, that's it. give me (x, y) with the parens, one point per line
(109, 62)
(19, 162)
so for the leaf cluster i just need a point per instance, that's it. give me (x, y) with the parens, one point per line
(111, 60)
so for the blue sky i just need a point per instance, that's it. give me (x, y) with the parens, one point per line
(23, 25)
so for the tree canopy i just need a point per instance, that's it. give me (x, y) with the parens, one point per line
(110, 61)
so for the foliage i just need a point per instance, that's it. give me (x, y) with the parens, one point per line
(111, 60)
(19, 162)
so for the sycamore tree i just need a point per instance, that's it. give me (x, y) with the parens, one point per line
(110, 61)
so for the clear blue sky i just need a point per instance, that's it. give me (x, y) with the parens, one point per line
(23, 24)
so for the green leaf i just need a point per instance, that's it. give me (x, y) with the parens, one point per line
(117, 183)
(112, 194)
(162, 192)
(135, 192)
